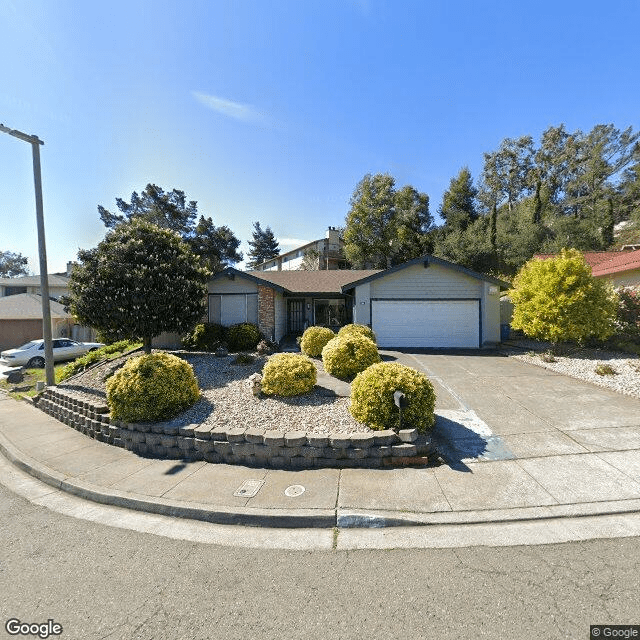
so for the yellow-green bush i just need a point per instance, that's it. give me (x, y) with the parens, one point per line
(288, 374)
(357, 330)
(372, 397)
(314, 340)
(152, 387)
(347, 355)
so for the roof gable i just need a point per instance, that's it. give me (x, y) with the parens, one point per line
(428, 259)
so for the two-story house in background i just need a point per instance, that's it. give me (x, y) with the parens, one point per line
(325, 254)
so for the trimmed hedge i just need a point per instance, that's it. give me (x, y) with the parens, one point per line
(288, 374)
(206, 336)
(152, 387)
(347, 355)
(357, 330)
(243, 337)
(314, 340)
(372, 397)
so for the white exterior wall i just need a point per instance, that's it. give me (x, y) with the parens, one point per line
(625, 278)
(362, 308)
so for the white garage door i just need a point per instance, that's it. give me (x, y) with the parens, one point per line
(426, 323)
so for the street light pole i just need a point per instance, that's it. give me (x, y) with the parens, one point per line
(35, 143)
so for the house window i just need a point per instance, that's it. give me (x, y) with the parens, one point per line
(331, 312)
(228, 309)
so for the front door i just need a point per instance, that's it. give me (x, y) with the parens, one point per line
(295, 314)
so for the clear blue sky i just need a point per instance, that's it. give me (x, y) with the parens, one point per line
(273, 110)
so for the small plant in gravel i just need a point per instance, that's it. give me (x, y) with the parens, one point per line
(346, 356)
(314, 340)
(152, 387)
(358, 330)
(244, 358)
(547, 356)
(605, 370)
(372, 397)
(243, 337)
(288, 374)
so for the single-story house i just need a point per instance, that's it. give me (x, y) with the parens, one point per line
(21, 320)
(426, 302)
(621, 268)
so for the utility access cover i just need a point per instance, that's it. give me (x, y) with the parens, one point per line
(248, 488)
(294, 490)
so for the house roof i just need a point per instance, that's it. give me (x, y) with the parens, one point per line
(333, 281)
(428, 259)
(302, 282)
(28, 306)
(34, 281)
(604, 263)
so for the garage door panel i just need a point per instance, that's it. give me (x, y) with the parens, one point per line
(426, 323)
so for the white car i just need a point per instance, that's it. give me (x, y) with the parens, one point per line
(32, 353)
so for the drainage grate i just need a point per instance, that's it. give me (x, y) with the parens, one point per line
(294, 491)
(248, 488)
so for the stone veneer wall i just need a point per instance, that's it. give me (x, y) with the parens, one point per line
(252, 447)
(267, 311)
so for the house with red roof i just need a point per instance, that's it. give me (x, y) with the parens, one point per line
(621, 268)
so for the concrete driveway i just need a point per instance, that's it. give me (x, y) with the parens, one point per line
(490, 407)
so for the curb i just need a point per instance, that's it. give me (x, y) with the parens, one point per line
(249, 516)
(343, 518)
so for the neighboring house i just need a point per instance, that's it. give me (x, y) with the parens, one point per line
(58, 285)
(621, 268)
(329, 250)
(21, 320)
(426, 302)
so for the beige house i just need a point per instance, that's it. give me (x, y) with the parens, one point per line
(58, 285)
(426, 302)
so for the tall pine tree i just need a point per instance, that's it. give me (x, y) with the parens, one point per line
(264, 246)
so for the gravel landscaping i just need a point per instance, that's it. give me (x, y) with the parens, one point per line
(227, 400)
(581, 363)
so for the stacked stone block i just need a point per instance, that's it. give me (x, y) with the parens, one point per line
(251, 447)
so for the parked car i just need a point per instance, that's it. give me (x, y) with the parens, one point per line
(32, 353)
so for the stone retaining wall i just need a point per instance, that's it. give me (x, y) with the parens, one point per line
(252, 447)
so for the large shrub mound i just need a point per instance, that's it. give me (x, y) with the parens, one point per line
(152, 387)
(345, 356)
(357, 330)
(288, 374)
(206, 336)
(243, 337)
(372, 397)
(314, 340)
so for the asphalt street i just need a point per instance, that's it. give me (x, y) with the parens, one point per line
(103, 582)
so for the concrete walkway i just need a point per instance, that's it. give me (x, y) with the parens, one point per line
(521, 443)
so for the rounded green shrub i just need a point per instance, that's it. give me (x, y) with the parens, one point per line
(243, 337)
(372, 397)
(205, 336)
(288, 374)
(152, 387)
(345, 356)
(357, 330)
(314, 340)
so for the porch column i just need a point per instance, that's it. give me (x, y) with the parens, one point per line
(267, 311)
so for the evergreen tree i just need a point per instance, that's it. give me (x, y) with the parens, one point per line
(218, 246)
(264, 246)
(385, 226)
(458, 208)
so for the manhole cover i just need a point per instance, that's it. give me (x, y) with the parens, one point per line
(248, 488)
(294, 490)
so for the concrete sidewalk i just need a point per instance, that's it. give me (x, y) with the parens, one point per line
(483, 490)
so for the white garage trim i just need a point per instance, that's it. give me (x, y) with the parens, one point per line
(431, 323)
